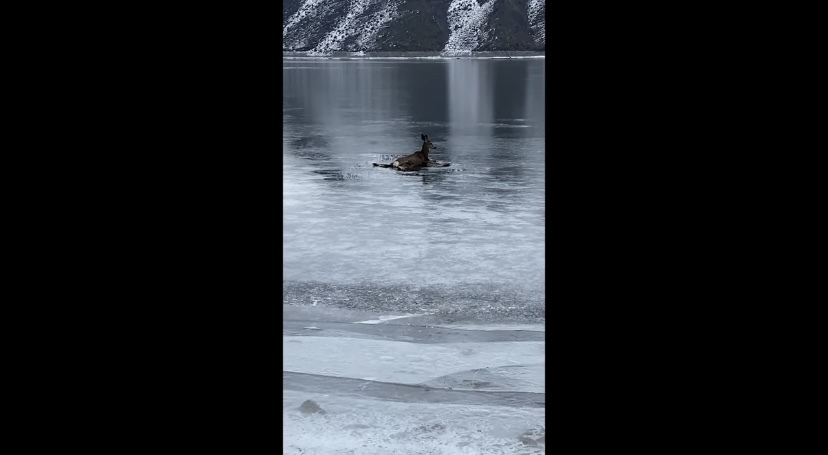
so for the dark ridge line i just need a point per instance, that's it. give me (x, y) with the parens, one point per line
(474, 370)
(411, 325)
(533, 399)
(417, 386)
(474, 330)
(409, 334)
(414, 54)
(409, 341)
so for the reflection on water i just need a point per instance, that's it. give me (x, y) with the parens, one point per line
(471, 98)
(480, 220)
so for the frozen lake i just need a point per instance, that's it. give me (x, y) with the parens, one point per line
(414, 302)
(400, 384)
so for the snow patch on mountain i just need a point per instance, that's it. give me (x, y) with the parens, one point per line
(537, 21)
(324, 27)
(307, 10)
(467, 20)
(345, 28)
(303, 25)
(376, 22)
(359, 25)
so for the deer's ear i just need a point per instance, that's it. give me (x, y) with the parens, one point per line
(426, 137)
(422, 136)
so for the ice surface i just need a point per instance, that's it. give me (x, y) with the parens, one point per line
(413, 304)
(382, 395)
(371, 427)
(527, 378)
(401, 362)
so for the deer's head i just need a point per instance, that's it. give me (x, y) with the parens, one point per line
(427, 145)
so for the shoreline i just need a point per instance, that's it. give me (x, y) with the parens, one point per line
(290, 55)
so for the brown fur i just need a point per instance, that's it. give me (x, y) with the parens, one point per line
(414, 161)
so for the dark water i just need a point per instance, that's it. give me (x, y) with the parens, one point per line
(466, 240)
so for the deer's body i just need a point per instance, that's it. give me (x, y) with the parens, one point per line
(416, 160)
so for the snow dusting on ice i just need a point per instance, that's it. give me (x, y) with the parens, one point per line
(385, 318)
(370, 427)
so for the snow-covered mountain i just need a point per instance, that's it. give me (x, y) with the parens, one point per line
(447, 26)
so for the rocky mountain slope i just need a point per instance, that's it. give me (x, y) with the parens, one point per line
(446, 26)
